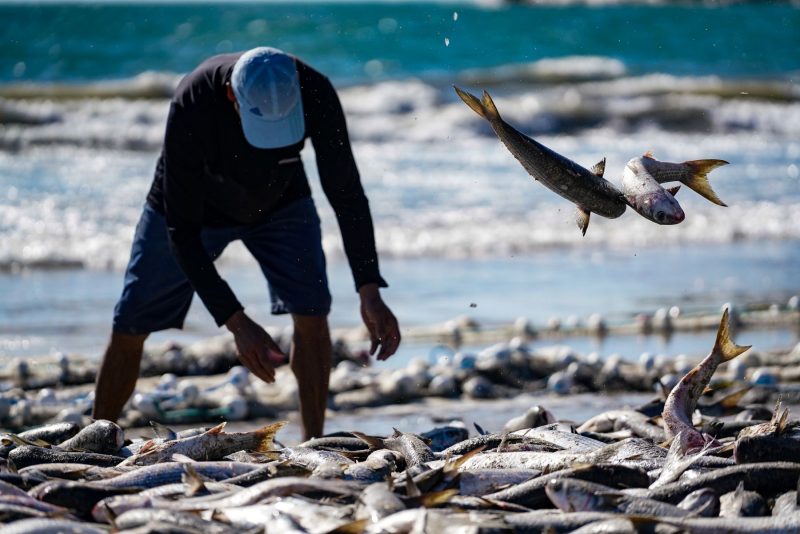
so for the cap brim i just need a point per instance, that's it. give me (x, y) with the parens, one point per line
(274, 133)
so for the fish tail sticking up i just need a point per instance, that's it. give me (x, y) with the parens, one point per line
(266, 435)
(698, 180)
(724, 346)
(484, 108)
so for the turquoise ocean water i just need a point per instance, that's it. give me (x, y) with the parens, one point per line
(461, 228)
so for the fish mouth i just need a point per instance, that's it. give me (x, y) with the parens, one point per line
(663, 217)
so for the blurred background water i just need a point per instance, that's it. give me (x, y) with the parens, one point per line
(461, 228)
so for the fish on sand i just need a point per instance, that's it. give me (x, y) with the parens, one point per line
(682, 400)
(587, 189)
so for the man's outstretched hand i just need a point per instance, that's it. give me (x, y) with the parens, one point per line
(256, 349)
(380, 321)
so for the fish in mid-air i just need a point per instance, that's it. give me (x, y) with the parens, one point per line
(587, 189)
(646, 196)
(643, 175)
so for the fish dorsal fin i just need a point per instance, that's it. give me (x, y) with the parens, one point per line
(673, 190)
(436, 498)
(194, 483)
(217, 429)
(649, 155)
(582, 219)
(162, 431)
(371, 441)
(600, 168)
(731, 400)
(454, 465)
(412, 490)
(739, 488)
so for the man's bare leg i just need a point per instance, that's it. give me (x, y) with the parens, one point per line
(118, 373)
(311, 364)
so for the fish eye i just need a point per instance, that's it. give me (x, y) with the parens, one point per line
(660, 215)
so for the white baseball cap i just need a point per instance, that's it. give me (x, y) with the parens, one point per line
(267, 88)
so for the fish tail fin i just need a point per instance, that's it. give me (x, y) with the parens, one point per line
(266, 434)
(489, 107)
(485, 108)
(698, 180)
(724, 345)
(355, 527)
(437, 498)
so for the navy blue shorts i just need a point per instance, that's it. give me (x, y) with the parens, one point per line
(288, 247)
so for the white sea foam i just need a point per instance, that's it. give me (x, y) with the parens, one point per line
(75, 171)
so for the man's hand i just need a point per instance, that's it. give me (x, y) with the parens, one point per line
(256, 349)
(380, 321)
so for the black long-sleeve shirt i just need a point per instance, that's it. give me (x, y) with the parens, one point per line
(209, 175)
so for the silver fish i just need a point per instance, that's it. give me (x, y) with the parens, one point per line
(312, 459)
(742, 503)
(587, 189)
(137, 518)
(279, 487)
(532, 493)
(644, 194)
(378, 501)
(572, 495)
(739, 525)
(51, 526)
(171, 472)
(682, 400)
(211, 445)
(693, 174)
(308, 516)
(411, 446)
(101, 436)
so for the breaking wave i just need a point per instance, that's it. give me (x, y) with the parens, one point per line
(564, 96)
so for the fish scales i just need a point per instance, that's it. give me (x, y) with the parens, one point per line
(27, 455)
(211, 445)
(280, 487)
(137, 518)
(490, 441)
(168, 473)
(553, 521)
(101, 436)
(312, 458)
(532, 493)
(739, 525)
(566, 440)
(77, 496)
(768, 478)
(572, 495)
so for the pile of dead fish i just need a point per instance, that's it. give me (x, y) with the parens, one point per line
(609, 474)
(673, 465)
